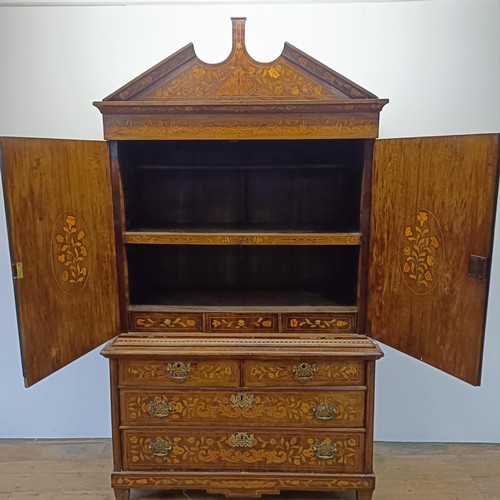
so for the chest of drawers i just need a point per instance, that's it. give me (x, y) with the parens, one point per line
(246, 419)
(239, 234)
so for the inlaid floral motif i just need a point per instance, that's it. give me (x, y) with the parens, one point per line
(71, 252)
(200, 371)
(270, 485)
(318, 323)
(242, 323)
(322, 372)
(421, 250)
(239, 77)
(171, 322)
(345, 407)
(243, 449)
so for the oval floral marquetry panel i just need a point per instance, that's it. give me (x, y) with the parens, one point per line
(421, 251)
(71, 252)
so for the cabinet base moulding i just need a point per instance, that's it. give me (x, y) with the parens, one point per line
(243, 485)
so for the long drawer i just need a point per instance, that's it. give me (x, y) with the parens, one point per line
(313, 408)
(234, 449)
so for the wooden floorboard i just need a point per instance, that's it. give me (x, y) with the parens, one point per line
(80, 470)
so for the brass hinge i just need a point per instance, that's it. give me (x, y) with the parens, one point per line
(478, 267)
(17, 270)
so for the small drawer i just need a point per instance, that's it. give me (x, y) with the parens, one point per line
(165, 322)
(180, 372)
(319, 323)
(288, 408)
(289, 373)
(241, 323)
(240, 448)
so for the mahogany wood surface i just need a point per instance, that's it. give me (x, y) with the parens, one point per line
(60, 217)
(258, 234)
(230, 238)
(433, 201)
(234, 448)
(261, 408)
(292, 97)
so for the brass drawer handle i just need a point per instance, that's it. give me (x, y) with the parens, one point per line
(304, 372)
(178, 371)
(160, 408)
(326, 450)
(325, 411)
(241, 440)
(242, 400)
(160, 447)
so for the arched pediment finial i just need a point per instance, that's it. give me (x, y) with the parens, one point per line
(292, 76)
(238, 32)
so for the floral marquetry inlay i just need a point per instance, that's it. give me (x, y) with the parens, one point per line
(216, 484)
(219, 449)
(71, 252)
(179, 372)
(344, 408)
(242, 323)
(421, 251)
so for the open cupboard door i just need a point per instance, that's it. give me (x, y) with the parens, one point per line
(60, 219)
(430, 244)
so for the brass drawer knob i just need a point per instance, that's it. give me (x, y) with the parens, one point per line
(304, 372)
(160, 447)
(160, 408)
(325, 411)
(242, 400)
(326, 450)
(241, 440)
(178, 371)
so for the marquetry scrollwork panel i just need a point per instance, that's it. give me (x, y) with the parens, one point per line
(218, 484)
(165, 322)
(318, 409)
(240, 126)
(319, 323)
(242, 323)
(180, 372)
(302, 372)
(234, 449)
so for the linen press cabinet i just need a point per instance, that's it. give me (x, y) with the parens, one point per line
(243, 237)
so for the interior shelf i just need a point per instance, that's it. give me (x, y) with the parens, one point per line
(227, 236)
(245, 300)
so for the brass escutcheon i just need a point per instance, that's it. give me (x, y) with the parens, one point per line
(178, 371)
(160, 408)
(325, 410)
(304, 372)
(242, 400)
(326, 450)
(241, 440)
(160, 447)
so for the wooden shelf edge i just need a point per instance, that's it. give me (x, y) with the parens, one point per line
(239, 238)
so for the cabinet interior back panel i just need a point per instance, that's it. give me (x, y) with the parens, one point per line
(238, 185)
(242, 275)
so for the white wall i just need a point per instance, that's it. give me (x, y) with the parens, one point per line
(438, 63)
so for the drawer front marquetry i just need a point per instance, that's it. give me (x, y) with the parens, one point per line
(222, 408)
(180, 372)
(303, 373)
(165, 322)
(241, 448)
(241, 323)
(319, 323)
